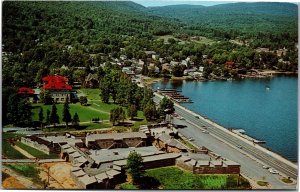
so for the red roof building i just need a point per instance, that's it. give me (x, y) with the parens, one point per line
(25, 90)
(56, 83)
(229, 64)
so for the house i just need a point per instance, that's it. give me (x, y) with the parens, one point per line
(141, 63)
(91, 80)
(174, 63)
(187, 71)
(161, 60)
(281, 52)
(123, 57)
(229, 64)
(148, 53)
(166, 66)
(64, 67)
(184, 62)
(155, 56)
(261, 49)
(58, 87)
(201, 69)
(25, 90)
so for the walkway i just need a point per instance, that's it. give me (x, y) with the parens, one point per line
(25, 153)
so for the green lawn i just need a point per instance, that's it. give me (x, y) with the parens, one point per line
(95, 109)
(88, 126)
(92, 94)
(175, 178)
(85, 113)
(7, 150)
(128, 186)
(204, 40)
(36, 153)
(187, 143)
(28, 171)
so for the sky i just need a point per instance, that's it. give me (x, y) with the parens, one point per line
(150, 3)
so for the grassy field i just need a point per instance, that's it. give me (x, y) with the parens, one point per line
(28, 171)
(200, 40)
(36, 153)
(187, 143)
(7, 150)
(95, 109)
(204, 40)
(128, 186)
(175, 178)
(86, 126)
(85, 113)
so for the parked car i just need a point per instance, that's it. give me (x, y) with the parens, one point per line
(204, 131)
(197, 117)
(191, 139)
(181, 118)
(273, 171)
(266, 166)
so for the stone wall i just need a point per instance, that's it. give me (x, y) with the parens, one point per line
(34, 144)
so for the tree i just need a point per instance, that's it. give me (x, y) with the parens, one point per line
(48, 117)
(66, 112)
(166, 106)
(54, 118)
(46, 97)
(19, 110)
(75, 120)
(41, 116)
(116, 115)
(135, 166)
(178, 70)
(150, 111)
(83, 100)
(132, 111)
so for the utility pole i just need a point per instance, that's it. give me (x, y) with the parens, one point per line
(48, 175)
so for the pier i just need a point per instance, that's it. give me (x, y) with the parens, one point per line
(174, 95)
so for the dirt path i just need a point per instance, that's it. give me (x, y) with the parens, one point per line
(25, 153)
(12, 183)
(99, 110)
(60, 177)
(17, 181)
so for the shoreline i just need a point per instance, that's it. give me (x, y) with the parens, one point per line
(261, 75)
(259, 147)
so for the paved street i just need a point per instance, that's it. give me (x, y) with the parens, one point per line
(250, 157)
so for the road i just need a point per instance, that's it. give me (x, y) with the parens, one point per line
(228, 145)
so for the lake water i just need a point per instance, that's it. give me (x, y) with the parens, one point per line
(265, 108)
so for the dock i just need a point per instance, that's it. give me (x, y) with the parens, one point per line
(174, 95)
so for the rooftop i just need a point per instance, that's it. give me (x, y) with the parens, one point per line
(115, 136)
(109, 155)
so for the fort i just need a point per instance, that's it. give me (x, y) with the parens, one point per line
(99, 160)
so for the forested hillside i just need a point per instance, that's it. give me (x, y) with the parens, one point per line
(263, 24)
(70, 38)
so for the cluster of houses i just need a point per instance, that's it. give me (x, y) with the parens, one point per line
(99, 160)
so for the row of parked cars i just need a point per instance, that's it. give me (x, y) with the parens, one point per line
(270, 169)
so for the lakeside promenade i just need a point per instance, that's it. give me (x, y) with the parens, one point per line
(255, 151)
